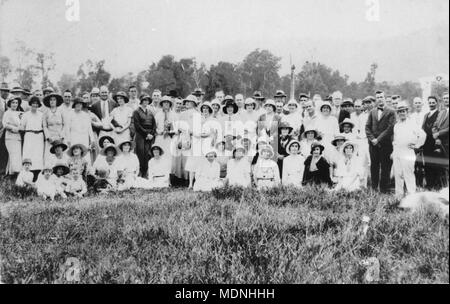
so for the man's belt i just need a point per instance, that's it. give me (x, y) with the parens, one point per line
(34, 131)
(262, 178)
(158, 176)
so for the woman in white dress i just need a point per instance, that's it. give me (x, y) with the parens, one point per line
(127, 165)
(327, 125)
(13, 141)
(293, 165)
(33, 141)
(207, 176)
(158, 169)
(121, 118)
(79, 127)
(54, 124)
(165, 128)
(349, 171)
(238, 168)
(108, 164)
(266, 172)
(308, 138)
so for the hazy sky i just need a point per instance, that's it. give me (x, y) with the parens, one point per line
(132, 34)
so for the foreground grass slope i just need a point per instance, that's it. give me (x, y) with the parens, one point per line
(228, 236)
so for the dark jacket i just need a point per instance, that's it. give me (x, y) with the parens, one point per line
(321, 176)
(427, 126)
(382, 129)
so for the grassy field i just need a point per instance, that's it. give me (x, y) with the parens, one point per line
(228, 236)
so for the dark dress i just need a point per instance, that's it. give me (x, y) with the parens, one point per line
(282, 144)
(144, 124)
(318, 177)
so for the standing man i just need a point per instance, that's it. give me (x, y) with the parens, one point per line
(134, 101)
(336, 98)
(220, 95)
(156, 97)
(417, 116)
(4, 93)
(102, 109)
(379, 130)
(440, 134)
(259, 98)
(239, 99)
(359, 118)
(310, 117)
(431, 167)
(199, 94)
(66, 107)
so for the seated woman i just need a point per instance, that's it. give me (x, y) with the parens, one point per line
(222, 158)
(317, 169)
(349, 170)
(78, 161)
(110, 153)
(158, 169)
(238, 168)
(309, 137)
(127, 166)
(265, 171)
(57, 154)
(293, 165)
(208, 173)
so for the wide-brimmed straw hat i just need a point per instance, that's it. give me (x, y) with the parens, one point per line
(191, 98)
(285, 125)
(326, 104)
(125, 142)
(121, 94)
(84, 150)
(59, 99)
(102, 139)
(146, 97)
(249, 101)
(208, 105)
(279, 94)
(288, 147)
(271, 102)
(337, 138)
(198, 92)
(228, 104)
(315, 145)
(257, 95)
(19, 100)
(349, 143)
(4, 87)
(56, 144)
(15, 90)
(266, 148)
(166, 98)
(316, 133)
(347, 121)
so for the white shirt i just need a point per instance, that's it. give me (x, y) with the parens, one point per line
(360, 124)
(238, 172)
(293, 168)
(407, 132)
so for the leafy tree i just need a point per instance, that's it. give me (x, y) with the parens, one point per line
(259, 71)
(25, 69)
(225, 76)
(46, 63)
(92, 74)
(67, 81)
(5, 67)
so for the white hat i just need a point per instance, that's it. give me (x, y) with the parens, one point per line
(288, 147)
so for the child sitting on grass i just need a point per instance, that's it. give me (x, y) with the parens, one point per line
(46, 184)
(102, 185)
(25, 177)
(60, 170)
(76, 185)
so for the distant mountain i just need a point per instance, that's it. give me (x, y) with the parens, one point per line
(400, 58)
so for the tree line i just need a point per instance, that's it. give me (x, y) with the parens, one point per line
(259, 70)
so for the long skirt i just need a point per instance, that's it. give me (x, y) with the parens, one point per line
(33, 148)
(14, 148)
(143, 153)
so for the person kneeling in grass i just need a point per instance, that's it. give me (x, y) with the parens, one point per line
(208, 173)
(238, 168)
(60, 170)
(158, 170)
(293, 165)
(76, 185)
(46, 184)
(266, 172)
(25, 177)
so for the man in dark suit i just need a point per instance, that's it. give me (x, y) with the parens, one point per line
(103, 107)
(440, 134)
(429, 155)
(379, 130)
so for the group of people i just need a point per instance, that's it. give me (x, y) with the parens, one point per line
(63, 145)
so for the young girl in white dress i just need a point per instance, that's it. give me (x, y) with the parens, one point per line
(349, 171)
(207, 176)
(293, 165)
(238, 168)
(266, 172)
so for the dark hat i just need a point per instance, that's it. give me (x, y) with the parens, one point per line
(66, 169)
(121, 94)
(347, 102)
(17, 90)
(78, 100)
(369, 99)
(279, 94)
(315, 145)
(4, 87)
(198, 92)
(207, 104)
(257, 95)
(59, 99)
(173, 93)
(27, 92)
(285, 125)
(35, 99)
(8, 103)
(232, 104)
(144, 97)
(84, 150)
(56, 144)
(155, 147)
(303, 95)
(227, 98)
(395, 96)
(102, 139)
(110, 147)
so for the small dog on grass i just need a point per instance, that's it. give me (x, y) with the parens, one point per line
(436, 202)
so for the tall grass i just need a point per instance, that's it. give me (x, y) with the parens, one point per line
(230, 235)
